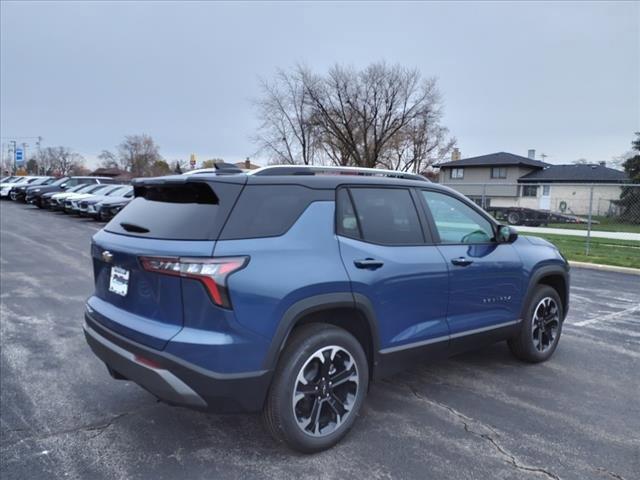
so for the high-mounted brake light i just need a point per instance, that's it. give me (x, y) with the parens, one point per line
(212, 272)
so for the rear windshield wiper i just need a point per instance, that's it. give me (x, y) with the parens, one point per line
(130, 227)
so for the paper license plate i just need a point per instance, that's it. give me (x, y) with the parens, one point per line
(119, 281)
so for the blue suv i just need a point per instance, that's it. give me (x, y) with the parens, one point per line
(288, 290)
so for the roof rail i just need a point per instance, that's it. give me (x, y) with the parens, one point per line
(220, 168)
(322, 170)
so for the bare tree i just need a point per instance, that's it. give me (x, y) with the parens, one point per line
(46, 161)
(379, 116)
(108, 159)
(361, 113)
(421, 143)
(137, 154)
(62, 160)
(287, 132)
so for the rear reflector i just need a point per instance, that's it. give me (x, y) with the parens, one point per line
(147, 362)
(212, 272)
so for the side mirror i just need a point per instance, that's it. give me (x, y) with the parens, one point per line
(507, 234)
(63, 186)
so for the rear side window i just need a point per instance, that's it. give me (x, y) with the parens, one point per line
(384, 215)
(191, 211)
(269, 210)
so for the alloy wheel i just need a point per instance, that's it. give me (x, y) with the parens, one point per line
(545, 324)
(325, 391)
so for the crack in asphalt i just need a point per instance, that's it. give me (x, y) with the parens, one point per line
(611, 474)
(509, 457)
(99, 426)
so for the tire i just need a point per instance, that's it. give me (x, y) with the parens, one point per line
(541, 327)
(285, 416)
(513, 218)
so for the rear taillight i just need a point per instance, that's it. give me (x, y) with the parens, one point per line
(212, 272)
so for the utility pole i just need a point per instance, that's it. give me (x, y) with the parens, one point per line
(24, 155)
(39, 154)
(13, 152)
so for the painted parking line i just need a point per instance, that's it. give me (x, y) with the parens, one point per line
(605, 318)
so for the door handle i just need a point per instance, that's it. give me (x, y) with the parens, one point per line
(461, 261)
(368, 263)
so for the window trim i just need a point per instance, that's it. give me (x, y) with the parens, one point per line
(498, 177)
(451, 177)
(530, 196)
(428, 239)
(432, 224)
(355, 212)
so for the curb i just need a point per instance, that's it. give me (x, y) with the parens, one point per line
(606, 268)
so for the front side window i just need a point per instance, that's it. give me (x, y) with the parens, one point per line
(455, 221)
(386, 216)
(498, 172)
(457, 173)
(530, 191)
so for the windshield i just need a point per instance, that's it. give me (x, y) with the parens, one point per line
(111, 189)
(75, 189)
(41, 181)
(59, 182)
(120, 191)
(96, 188)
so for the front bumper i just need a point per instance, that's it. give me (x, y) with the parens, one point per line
(173, 380)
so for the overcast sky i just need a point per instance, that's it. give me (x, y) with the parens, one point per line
(563, 78)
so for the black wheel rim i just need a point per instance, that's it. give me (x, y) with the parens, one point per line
(325, 391)
(545, 324)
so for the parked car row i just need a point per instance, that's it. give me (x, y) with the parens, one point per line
(97, 197)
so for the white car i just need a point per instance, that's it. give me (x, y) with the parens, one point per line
(5, 188)
(58, 199)
(70, 202)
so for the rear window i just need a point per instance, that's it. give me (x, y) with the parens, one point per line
(270, 210)
(191, 211)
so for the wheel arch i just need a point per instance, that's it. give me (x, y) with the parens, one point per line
(554, 276)
(354, 313)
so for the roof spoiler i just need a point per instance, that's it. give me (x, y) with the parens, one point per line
(223, 168)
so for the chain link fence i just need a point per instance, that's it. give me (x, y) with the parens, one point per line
(598, 223)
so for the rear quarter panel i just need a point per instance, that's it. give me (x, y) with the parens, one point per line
(303, 262)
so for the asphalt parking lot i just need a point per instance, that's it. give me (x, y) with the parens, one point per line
(478, 415)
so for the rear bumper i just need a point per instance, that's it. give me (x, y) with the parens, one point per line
(173, 380)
